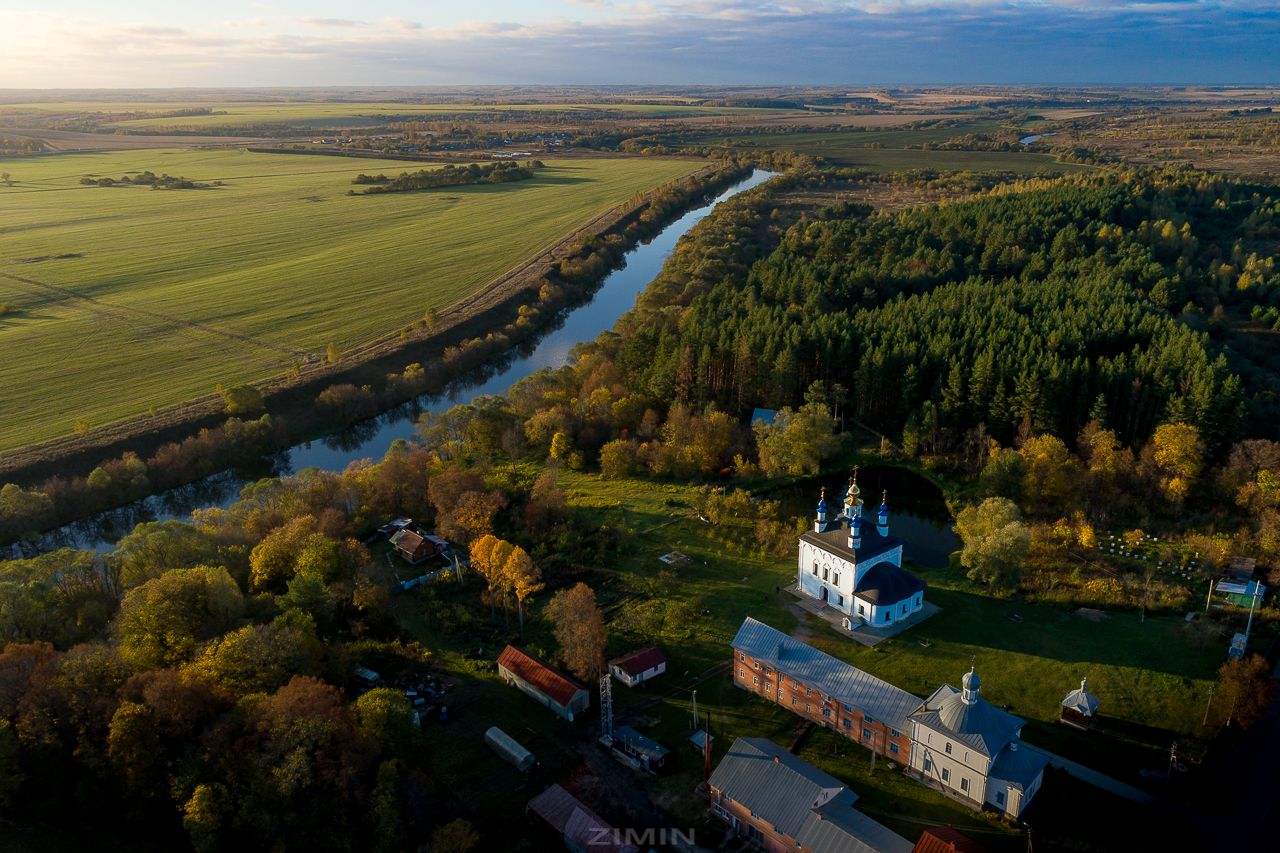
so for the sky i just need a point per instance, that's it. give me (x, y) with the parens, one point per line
(184, 43)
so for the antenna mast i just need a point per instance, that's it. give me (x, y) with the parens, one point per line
(606, 709)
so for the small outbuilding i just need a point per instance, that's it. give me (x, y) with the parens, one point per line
(644, 753)
(1079, 707)
(639, 666)
(511, 751)
(537, 679)
(416, 547)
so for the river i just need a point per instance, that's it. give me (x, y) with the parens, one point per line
(370, 439)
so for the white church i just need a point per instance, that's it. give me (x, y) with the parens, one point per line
(856, 568)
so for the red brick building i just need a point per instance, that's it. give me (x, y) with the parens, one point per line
(824, 689)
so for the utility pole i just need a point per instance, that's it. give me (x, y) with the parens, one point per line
(873, 750)
(1252, 604)
(1208, 598)
(695, 711)
(1208, 705)
(706, 755)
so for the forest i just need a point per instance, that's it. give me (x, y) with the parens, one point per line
(1046, 305)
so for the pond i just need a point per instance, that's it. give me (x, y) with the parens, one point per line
(918, 513)
(370, 439)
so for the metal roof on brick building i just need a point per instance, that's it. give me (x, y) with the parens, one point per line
(800, 801)
(818, 670)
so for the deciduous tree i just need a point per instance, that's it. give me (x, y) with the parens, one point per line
(578, 626)
(995, 542)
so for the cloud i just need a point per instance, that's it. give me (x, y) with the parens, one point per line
(341, 23)
(700, 41)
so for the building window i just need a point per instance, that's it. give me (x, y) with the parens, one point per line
(793, 700)
(946, 775)
(742, 673)
(866, 734)
(742, 657)
(948, 747)
(894, 733)
(826, 712)
(893, 747)
(886, 616)
(848, 709)
(835, 579)
(839, 600)
(848, 723)
(815, 567)
(808, 709)
(964, 785)
(825, 573)
(867, 718)
(999, 798)
(756, 680)
(928, 765)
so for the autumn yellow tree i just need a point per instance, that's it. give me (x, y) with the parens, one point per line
(524, 578)
(482, 562)
(1178, 453)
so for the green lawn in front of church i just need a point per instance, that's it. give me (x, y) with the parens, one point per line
(1152, 678)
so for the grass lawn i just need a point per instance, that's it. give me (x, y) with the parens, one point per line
(107, 283)
(1150, 680)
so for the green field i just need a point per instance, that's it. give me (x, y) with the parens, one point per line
(318, 114)
(854, 148)
(161, 294)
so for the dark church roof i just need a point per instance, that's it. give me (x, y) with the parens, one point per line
(885, 584)
(837, 542)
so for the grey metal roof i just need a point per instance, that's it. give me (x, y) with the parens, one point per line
(1081, 700)
(569, 817)
(836, 541)
(1020, 766)
(835, 829)
(842, 681)
(886, 584)
(981, 725)
(639, 743)
(799, 800)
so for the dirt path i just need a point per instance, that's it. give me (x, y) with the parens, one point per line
(802, 631)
